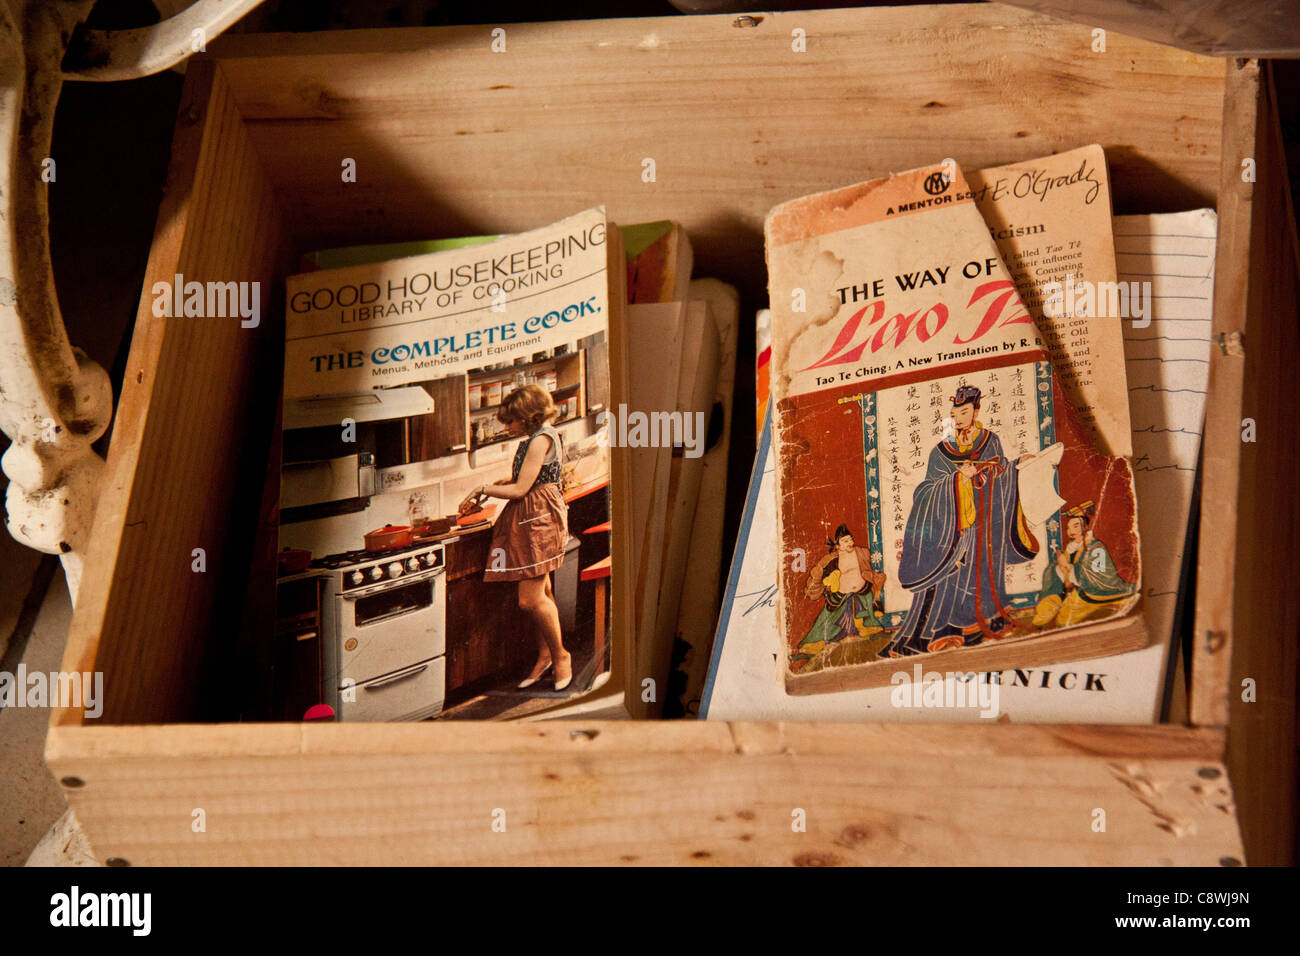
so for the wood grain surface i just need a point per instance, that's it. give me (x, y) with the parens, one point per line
(197, 392)
(1264, 627)
(735, 120)
(677, 792)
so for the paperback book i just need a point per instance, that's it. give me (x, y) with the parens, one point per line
(939, 493)
(442, 455)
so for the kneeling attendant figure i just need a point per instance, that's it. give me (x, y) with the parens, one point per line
(1082, 582)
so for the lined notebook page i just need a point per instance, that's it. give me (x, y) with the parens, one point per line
(1167, 364)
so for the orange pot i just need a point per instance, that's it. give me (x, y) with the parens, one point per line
(389, 536)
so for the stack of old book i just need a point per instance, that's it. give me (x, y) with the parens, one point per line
(541, 502)
(974, 380)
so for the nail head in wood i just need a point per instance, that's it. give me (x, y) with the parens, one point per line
(1232, 343)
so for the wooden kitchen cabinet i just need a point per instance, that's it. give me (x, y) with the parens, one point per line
(456, 142)
(446, 431)
(489, 645)
(295, 659)
(489, 639)
(597, 376)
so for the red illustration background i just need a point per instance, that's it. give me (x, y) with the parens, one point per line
(823, 483)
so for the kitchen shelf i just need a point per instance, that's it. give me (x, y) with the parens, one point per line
(554, 391)
(507, 370)
(509, 438)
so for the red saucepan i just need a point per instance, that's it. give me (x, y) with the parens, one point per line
(293, 560)
(389, 536)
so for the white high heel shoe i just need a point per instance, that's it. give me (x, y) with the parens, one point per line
(530, 681)
(568, 680)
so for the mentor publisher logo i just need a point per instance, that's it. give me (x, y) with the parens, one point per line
(75, 909)
(936, 183)
(55, 689)
(952, 690)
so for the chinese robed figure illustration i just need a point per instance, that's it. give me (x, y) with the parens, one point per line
(851, 592)
(965, 527)
(1083, 581)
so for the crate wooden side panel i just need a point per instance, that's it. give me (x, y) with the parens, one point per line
(735, 120)
(650, 793)
(194, 401)
(1221, 446)
(1264, 627)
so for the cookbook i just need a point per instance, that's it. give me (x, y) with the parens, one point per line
(939, 494)
(443, 455)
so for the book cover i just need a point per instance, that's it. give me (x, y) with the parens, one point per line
(1166, 373)
(704, 568)
(659, 257)
(1051, 219)
(938, 492)
(442, 457)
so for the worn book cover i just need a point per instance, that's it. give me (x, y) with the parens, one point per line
(938, 492)
(659, 257)
(442, 461)
(1051, 219)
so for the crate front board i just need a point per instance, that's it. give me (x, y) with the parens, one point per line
(449, 139)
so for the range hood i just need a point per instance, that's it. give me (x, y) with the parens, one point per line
(381, 404)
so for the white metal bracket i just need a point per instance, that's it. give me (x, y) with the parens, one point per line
(54, 400)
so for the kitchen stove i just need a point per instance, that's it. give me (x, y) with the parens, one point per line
(366, 569)
(361, 555)
(383, 620)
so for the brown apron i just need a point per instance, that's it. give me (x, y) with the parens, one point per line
(529, 535)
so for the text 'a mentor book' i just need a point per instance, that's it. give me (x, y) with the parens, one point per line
(939, 494)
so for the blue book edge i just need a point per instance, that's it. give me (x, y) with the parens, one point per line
(737, 561)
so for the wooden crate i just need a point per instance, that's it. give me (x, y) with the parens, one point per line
(452, 138)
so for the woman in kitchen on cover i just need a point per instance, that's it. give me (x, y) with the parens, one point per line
(529, 535)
